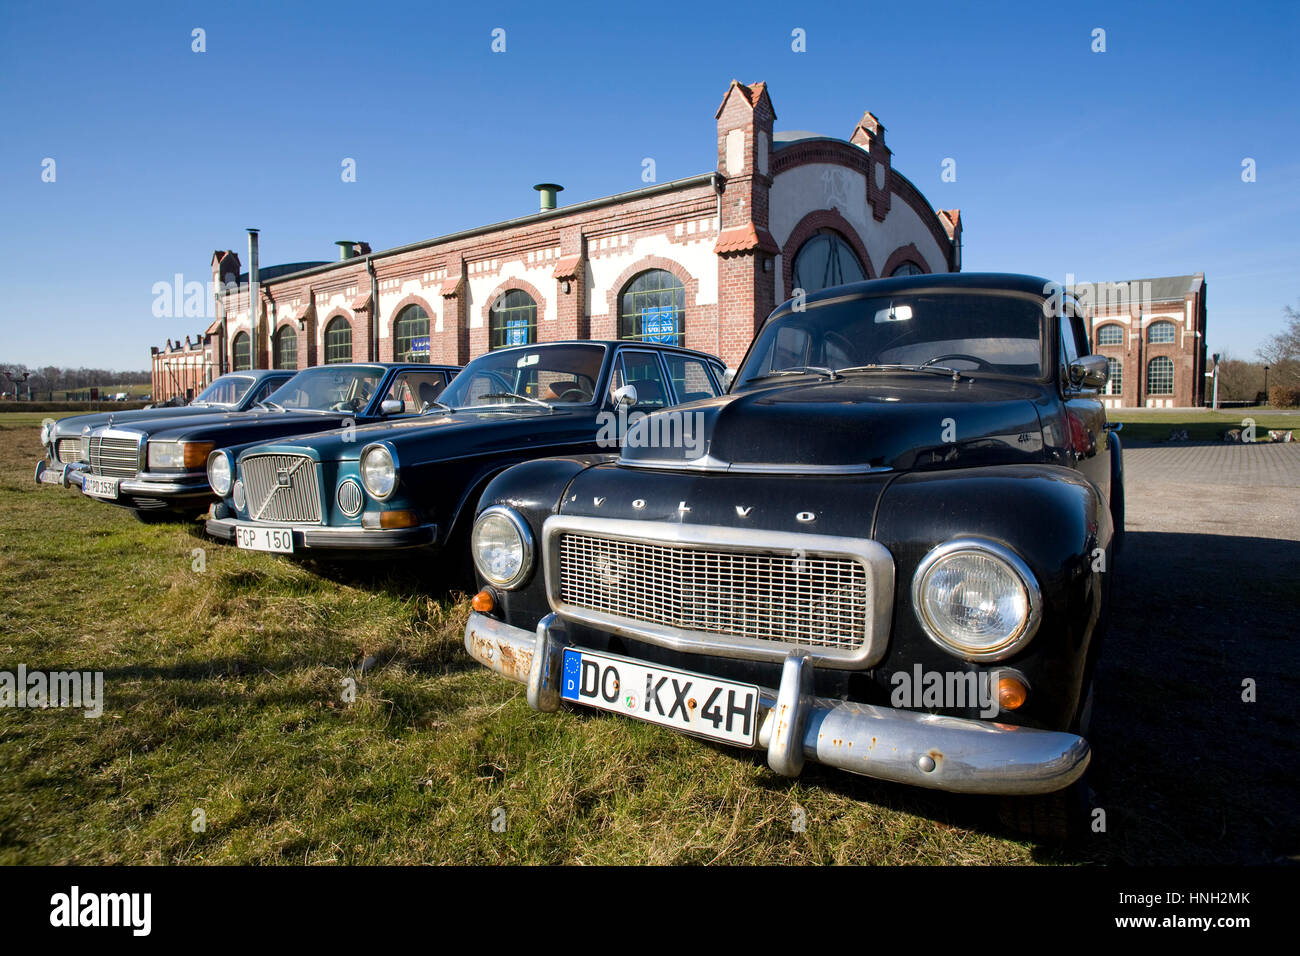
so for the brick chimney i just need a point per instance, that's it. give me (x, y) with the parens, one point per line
(745, 248)
(869, 135)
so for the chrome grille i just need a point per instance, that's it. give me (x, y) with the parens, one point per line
(768, 596)
(114, 457)
(281, 488)
(67, 450)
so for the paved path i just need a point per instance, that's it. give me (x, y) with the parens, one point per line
(1229, 465)
(1205, 598)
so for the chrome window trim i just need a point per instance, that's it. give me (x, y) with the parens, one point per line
(875, 559)
(710, 462)
(1017, 564)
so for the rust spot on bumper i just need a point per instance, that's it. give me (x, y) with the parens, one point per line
(501, 657)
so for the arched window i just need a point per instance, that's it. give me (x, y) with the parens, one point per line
(338, 341)
(825, 260)
(241, 352)
(1160, 376)
(512, 320)
(652, 308)
(286, 347)
(908, 268)
(1110, 334)
(411, 335)
(1160, 333)
(1115, 377)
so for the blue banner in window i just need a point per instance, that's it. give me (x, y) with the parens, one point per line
(420, 346)
(659, 324)
(516, 332)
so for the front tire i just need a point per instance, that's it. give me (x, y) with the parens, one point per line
(1063, 817)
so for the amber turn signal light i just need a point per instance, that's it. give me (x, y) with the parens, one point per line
(1012, 693)
(196, 453)
(483, 602)
(397, 519)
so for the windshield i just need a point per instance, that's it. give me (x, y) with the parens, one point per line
(550, 374)
(227, 390)
(328, 388)
(989, 332)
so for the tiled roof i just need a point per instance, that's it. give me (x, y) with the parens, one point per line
(568, 267)
(745, 238)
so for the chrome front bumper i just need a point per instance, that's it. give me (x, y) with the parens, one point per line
(146, 485)
(326, 538)
(923, 750)
(57, 473)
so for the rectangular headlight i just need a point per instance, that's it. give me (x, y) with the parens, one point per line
(166, 454)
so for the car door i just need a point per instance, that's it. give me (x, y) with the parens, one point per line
(1084, 411)
(692, 378)
(643, 370)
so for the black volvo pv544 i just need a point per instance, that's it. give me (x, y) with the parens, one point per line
(886, 548)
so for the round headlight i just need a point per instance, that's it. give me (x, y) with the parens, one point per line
(219, 472)
(502, 547)
(378, 471)
(46, 426)
(976, 599)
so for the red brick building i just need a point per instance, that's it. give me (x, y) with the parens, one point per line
(699, 261)
(1152, 332)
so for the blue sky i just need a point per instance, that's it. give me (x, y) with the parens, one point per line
(1114, 165)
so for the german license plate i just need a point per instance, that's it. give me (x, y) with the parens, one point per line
(279, 540)
(99, 487)
(717, 709)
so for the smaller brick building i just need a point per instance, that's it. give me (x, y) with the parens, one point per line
(1152, 331)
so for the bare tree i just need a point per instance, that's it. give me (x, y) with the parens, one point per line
(1281, 353)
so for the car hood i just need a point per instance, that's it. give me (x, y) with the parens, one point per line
(458, 434)
(857, 423)
(73, 425)
(222, 427)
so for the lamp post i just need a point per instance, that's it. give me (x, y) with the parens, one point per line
(1265, 384)
(1216, 381)
(15, 382)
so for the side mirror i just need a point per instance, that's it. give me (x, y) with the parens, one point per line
(392, 406)
(728, 377)
(1089, 371)
(625, 395)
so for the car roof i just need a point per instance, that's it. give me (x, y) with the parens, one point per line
(948, 281)
(613, 343)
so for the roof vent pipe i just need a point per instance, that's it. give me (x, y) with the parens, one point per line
(548, 195)
(253, 300)
(347, 249)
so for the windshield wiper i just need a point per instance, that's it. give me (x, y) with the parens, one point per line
(270, 406)
(925, 367)
(830, 373)
(522, 398)
(435, 404)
